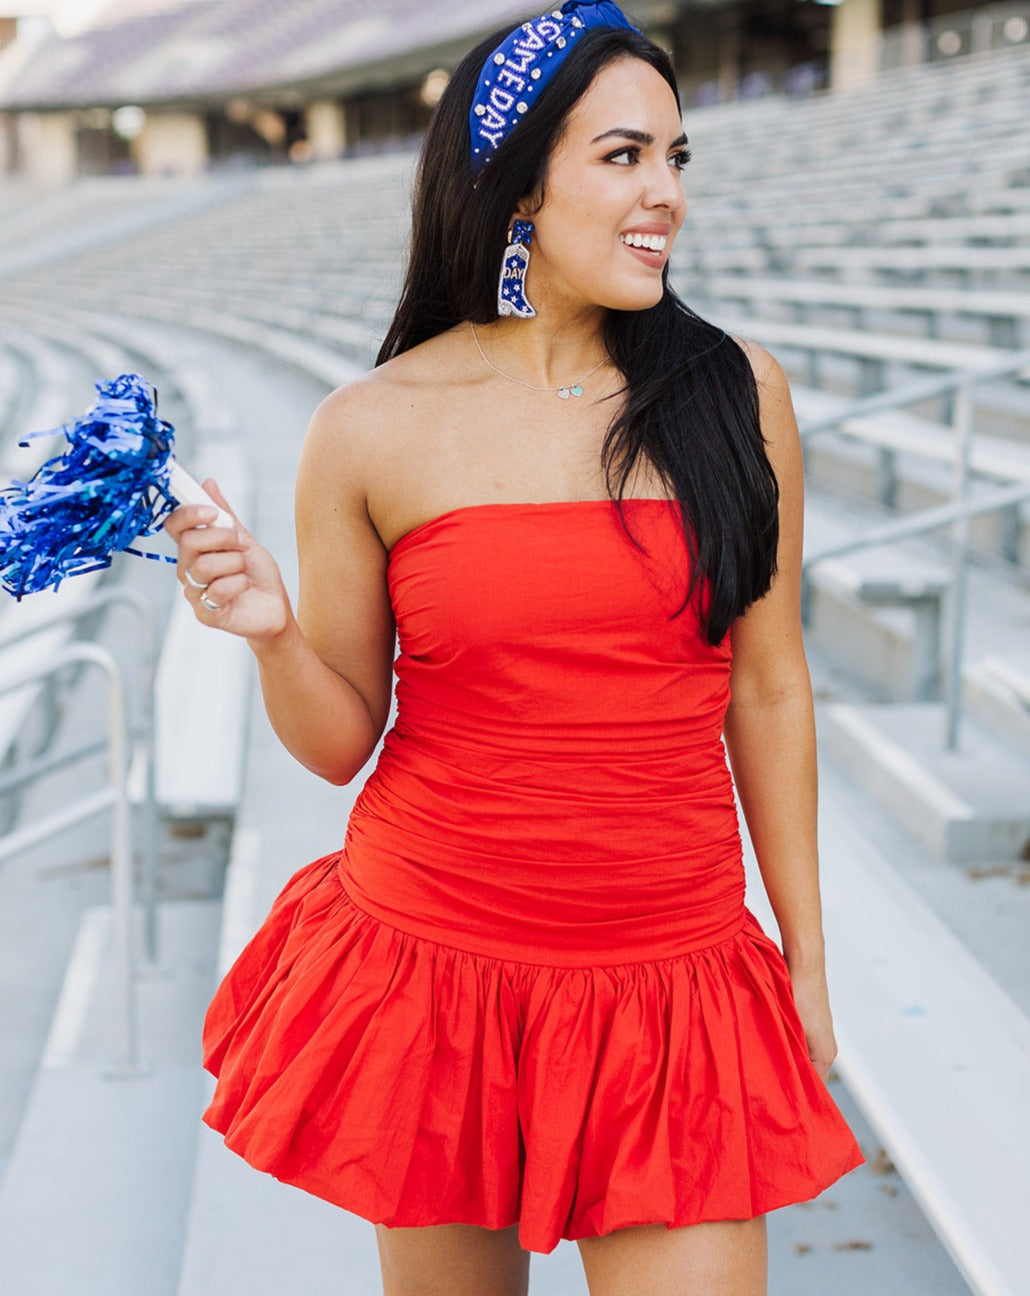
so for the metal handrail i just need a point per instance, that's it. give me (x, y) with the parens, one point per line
(113, 797)
(924, 520)
(958, 512)
(144, 730)
(911, 394)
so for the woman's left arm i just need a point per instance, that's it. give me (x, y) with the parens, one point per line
(770, 729)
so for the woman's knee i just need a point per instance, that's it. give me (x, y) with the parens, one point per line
(721, 1258)
(452, 1260)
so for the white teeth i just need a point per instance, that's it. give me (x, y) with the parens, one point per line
(653, 242)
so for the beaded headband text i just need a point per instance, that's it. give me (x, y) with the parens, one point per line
(525, 62)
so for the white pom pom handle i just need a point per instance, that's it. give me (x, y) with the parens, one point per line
(189, 491)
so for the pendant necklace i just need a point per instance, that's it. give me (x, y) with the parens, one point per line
(563, 393)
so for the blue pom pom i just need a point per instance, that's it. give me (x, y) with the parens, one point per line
(108, 488)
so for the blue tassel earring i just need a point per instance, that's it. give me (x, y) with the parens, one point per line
(511, 288)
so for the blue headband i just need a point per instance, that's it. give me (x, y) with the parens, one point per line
(523, 64)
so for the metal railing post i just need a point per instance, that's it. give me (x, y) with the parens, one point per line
(962, 422)
(116, 799)
(960, 386)
(127, 1061)
(145, 732)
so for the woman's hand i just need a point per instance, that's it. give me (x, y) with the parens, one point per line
(812, 999)
(231, 581)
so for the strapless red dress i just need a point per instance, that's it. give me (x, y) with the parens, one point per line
(528, 988)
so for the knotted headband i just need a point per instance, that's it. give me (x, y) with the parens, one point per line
(523, 64)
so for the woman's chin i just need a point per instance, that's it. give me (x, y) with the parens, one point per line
(637, 298)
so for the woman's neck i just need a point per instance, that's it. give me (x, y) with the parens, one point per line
(545, 351)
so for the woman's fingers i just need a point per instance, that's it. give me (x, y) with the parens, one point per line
(211, 578)
(212, 488)
(186, 517)
(191, 527)
(206, 553)
(229, 580)
(210, 566)
(214, 602)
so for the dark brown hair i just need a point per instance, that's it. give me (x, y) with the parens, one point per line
(691, 402)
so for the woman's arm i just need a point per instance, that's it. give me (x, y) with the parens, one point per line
(326, 671)
(770, 728)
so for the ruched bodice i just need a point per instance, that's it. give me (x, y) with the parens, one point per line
(555, 785)
(527, 988)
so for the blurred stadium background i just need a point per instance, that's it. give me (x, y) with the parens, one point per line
(162, 88)
(216, 194)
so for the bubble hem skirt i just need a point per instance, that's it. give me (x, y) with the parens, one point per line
(413, 1084)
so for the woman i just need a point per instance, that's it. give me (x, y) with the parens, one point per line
(526, 1000)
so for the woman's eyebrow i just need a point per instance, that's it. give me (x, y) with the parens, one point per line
(638, 137)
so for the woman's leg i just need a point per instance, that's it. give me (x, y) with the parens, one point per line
(452, 1260)
(725, 1258)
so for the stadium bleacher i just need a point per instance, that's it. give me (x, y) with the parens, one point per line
(869, 240)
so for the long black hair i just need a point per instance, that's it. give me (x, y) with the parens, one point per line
(691, 401)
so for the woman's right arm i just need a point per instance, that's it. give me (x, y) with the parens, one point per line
(325, 670)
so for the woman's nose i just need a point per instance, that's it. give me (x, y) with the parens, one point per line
(665, 188)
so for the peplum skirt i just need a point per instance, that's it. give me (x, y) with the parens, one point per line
(416, 1082)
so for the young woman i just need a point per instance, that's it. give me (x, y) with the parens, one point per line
(526, 1001)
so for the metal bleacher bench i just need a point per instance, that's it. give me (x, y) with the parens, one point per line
(919, 587)
(920, 440)
(873, 352)
(960, 260)
(1004, 313)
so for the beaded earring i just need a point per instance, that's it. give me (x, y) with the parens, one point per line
(511, 287)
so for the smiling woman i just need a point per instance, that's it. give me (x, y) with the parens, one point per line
(525, 1000)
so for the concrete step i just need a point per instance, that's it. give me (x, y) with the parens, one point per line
(886, 647)
(968, 805)
(932, 1047)
(103, 1161)
(249, 1234)
(997, 692)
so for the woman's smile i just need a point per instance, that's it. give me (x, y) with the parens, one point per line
(650, 243)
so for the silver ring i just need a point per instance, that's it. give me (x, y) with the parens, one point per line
(210, 604)
(192, 581)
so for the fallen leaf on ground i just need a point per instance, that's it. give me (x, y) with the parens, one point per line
(880, 1163)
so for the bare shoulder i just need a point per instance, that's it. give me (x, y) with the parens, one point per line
(361, 432)
(779, 424)
(768, 371)
(350, 425)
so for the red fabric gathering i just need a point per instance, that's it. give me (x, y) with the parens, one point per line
(528, 988)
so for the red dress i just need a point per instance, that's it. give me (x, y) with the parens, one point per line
(528, 989)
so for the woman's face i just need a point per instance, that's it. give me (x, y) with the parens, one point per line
(613, 180)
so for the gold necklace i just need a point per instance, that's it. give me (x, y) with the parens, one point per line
(563, 393)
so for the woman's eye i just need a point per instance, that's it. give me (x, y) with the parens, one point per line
(627, 155)
(680, 159)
